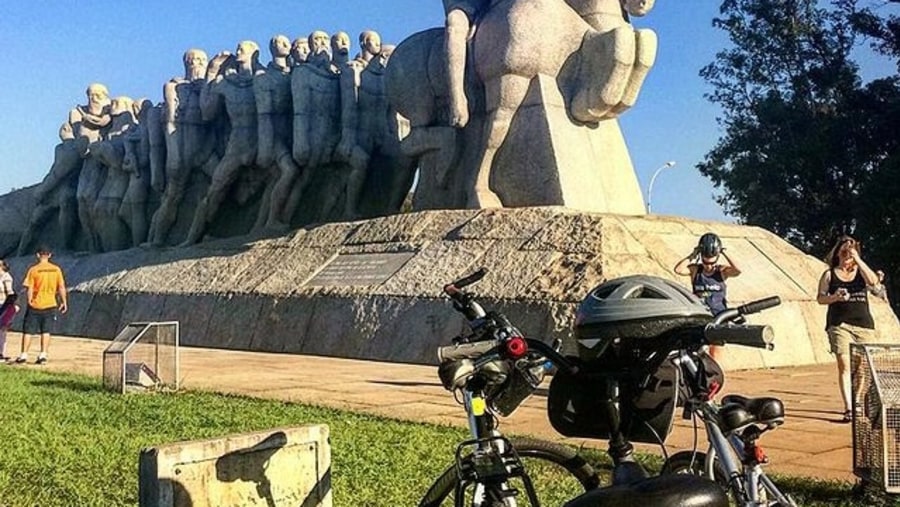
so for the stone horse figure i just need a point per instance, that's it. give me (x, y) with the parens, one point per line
(587, 48)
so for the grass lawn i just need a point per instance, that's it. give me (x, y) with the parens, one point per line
(66, 442)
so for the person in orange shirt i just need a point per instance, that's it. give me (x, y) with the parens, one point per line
(44, 282)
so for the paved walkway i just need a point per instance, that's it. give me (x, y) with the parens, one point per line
(811, 442)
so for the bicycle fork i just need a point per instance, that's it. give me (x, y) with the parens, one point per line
(491, 464)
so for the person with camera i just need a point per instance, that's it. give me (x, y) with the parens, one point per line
(708, 276)
(844, 287)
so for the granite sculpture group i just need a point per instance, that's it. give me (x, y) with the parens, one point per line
(489, 110)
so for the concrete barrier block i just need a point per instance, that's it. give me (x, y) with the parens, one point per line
(278, 467)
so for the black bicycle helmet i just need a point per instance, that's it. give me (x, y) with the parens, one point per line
(710, 245)
(632, 311)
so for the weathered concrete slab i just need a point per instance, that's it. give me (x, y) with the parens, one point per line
(282, 325)
(193, 313)
(274, 468)
(228, 324)
(104, 314)
(142, 308)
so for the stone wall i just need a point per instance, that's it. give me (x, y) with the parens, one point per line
(267, 294)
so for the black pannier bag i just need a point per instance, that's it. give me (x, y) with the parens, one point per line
(578, 406)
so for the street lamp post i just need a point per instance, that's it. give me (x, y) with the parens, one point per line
(667, 165)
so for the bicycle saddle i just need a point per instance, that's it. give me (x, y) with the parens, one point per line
(678, 490)
(738, 411)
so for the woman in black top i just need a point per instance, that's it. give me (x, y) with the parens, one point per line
(844, 288)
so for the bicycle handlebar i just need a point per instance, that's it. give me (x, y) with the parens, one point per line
(760, 337)
(477, 350)
(759, 305)
(465, 350)
(746, 309)
(454, 289)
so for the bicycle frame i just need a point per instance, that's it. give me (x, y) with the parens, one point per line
(745, 476)
(492, 462)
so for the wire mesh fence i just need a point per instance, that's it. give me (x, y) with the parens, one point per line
(875, 374)
(142, 357)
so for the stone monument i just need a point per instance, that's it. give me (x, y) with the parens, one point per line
(509, 115)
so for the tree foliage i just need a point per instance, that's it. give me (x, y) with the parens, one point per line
(809, 151)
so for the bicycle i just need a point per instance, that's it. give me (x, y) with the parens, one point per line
(495, 368)
(734, 458)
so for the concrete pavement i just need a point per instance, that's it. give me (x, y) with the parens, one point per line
(812, 442)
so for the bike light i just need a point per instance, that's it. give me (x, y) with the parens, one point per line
(516, 347)
(760, 455)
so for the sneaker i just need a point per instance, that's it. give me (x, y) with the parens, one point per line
(20, 360)
(41, 360)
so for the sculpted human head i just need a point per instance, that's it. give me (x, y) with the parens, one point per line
(370, 42)
(340, 43)
(280, 46)
(638, 7)
(318, 42)
(97, 95)
(300, 50)
(247, 54)
(195, 61)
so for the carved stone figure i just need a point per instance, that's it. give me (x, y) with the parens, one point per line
(274, 107)
(111, 230)
(616, 58)
(89, 123)
(315, 91)
(369, 46)
(189, 140)
(340, 51)
(56, 194)
(231, 92)
(460, 17)
(533, 88)
(370, 128)
(299, 51)
(140, 145)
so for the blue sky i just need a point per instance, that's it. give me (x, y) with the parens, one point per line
(53, 49)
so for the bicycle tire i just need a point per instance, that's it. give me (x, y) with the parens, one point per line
(695, 463)
(557, 454)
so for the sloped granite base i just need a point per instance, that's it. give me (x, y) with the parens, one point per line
(254, 294)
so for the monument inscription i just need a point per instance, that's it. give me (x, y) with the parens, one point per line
(346, 270)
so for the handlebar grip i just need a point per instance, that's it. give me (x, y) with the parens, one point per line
(760, 337)
(465, 350)
(759, 305)
(466, 280)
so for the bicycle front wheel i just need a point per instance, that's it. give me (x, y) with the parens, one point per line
(557, 472)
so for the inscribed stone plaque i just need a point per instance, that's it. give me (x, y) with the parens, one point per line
(360, 269)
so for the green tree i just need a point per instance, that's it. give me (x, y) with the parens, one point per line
(808, 150)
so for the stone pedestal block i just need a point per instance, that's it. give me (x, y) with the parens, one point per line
(279, 467)
(549, 160)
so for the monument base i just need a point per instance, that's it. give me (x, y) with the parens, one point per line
(372, 289)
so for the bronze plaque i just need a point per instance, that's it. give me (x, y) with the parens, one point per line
(359, 269)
